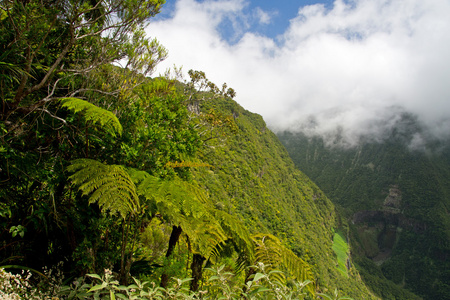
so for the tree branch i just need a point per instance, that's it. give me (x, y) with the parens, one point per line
(52, 68)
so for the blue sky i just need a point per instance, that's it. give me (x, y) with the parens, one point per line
(279, 13)
(349, 65)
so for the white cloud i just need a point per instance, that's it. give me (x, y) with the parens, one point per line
(263, 17)
(346, 66)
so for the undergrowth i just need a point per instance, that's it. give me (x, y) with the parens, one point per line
(261, 285)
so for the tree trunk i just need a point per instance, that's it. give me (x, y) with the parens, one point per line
(197, 271)
(251, 271)
(174, 237)
(123, 274)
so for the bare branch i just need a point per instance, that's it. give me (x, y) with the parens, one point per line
(51, 115)
(114, 93)
(52, 68)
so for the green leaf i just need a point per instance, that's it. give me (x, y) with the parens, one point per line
(258, 276)
(94, 276)
(261, 289)
(98, 287)
(324, 295)
(214, 277)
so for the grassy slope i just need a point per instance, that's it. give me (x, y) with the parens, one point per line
(341, 248)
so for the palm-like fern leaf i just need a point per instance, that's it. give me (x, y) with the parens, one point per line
(174, 196)
(138, 176)
(106, 119)
(185, 205)
(109, 185)
(240, 235)
(269, 253)
(206, 237)
(13, 72)
(274, 255)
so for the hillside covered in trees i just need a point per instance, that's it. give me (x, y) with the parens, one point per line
(114, 184)
(395, 197)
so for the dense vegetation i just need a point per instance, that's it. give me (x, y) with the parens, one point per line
(397, 199)
(125, 182)
(254, 177)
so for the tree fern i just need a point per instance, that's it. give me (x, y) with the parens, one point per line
(238, 232)
(274, 255)
(184, 204)
(109, 185)
(106, 119)
(206, 237)
(174, 197)
(268, 252)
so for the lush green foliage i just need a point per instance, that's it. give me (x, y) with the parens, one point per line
(260, 285)
(254, 178)
(105, 168)
(398, 198)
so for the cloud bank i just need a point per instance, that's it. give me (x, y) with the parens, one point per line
(348, 67)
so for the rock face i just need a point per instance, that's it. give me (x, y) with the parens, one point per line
(394, 199)
(380, 229)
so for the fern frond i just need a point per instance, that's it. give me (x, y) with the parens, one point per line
(158, 86)
(185, 205)
(138, 176)
(97, 115)
(109, 185)
(181, 196)
(270, 251)
(300, 269)
(207, 237)
(239, 233)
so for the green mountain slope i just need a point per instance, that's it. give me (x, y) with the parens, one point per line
(253, 177)
(398, 202)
